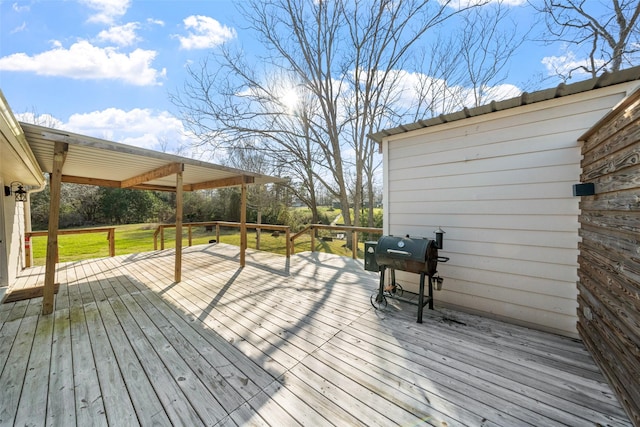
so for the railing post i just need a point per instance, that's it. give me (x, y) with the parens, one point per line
(354, 244)
(27, 250)
(288, 242)
(217, 233)
(161, 237)
(189, 228)
(313, 239)
(155, 240)
(111, 237)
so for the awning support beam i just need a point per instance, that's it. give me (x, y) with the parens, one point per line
(243, 224)
(219, 183)
(59, 156)
(160, 172)
(178, 260)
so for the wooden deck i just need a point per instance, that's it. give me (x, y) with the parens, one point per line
(277, 343)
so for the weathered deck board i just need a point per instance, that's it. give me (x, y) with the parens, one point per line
(35, 392)
(60, 403)
(88, 397)
(495, 368)
(15, 367)
(246, 416)
(117, 404)
(173, 399)
(246, 376)
(279, 342)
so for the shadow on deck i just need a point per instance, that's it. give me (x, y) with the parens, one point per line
(280, 342)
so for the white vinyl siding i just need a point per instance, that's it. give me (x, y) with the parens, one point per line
(12, 222)
(500, 185)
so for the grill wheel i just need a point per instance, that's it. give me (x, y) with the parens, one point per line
(378, 305)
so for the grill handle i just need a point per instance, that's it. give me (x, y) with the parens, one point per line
(443, 258)
(397, 252)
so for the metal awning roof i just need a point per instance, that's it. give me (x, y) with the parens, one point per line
(97, 161)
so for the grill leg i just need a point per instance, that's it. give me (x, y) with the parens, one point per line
(430, 293)
(421, 298)
(380, 297)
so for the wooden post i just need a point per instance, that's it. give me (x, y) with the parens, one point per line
(59, 156)
(27, 251)
(287, 233)
(217, 233)
(162, 237)
(243, 224)
(313, 239)
(178, 271)
(354, 244)
(189, 228)
(292, 244)
(111, 236)
(259, 221)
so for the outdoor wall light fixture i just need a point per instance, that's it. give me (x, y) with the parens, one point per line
(17, 189)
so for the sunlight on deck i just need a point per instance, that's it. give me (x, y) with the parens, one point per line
(279, 342)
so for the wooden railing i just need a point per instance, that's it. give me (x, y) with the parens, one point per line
(290, 246)
(111, 237)
(159, 233)
(311, 229)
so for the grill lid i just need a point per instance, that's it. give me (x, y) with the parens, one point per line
(407, 254)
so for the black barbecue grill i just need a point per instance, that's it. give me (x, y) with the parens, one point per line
(414, 255)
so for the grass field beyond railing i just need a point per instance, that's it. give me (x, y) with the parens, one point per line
(134, 238)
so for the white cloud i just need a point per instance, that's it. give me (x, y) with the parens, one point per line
(441, 96)
(107, 10)
(40, 119)
(204, 32)
(155, 22)
(500, 92)
(140, 127)
(85, 61)
(122, 35)
(567, 65)
(146, 128)
(19, 28)
(17, 8)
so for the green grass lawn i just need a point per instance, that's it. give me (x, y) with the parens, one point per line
(332, 213)
(135, 238)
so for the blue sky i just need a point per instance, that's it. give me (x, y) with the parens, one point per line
(105, 67)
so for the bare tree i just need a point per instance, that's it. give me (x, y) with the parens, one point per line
(33, 117)
(343, 55)
(488, 41)
(259, 197)
(236, 109)
(464, 66)
(435, 89)
(609, 38)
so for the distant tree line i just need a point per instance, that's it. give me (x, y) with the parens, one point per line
(85, 205)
